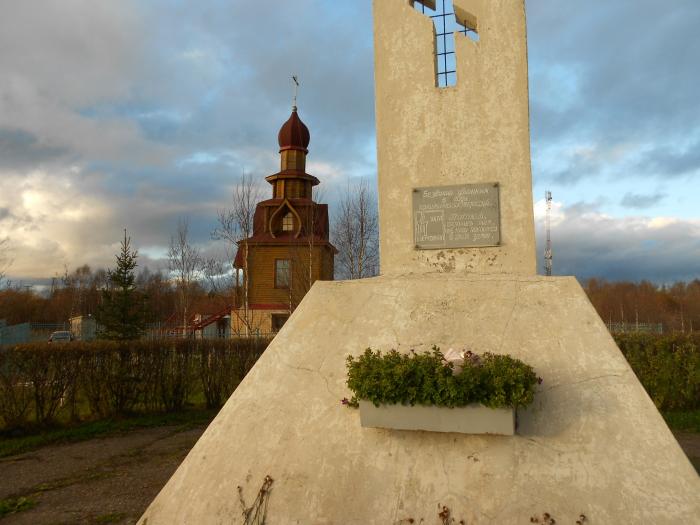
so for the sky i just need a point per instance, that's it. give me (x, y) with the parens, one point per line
(134, 114)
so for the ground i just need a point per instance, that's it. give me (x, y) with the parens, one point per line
(105, 480)
(113, 479)
(690, 442)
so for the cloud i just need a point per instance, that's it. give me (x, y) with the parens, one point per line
(638, 201)
(672, 160)
(59, 58)
(132, 114)
(602, 74)
(589, 244)
(20, 149)
(582, 162)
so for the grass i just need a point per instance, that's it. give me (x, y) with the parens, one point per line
(14, 505)
(687, 421)
(85, 431)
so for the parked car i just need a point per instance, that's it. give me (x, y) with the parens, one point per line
(62, 336)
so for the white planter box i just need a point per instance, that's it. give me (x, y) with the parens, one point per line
(471, 419)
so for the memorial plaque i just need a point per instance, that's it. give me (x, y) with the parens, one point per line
(462, 216)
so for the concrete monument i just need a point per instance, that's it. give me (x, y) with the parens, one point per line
(592, 448)
(474, 132)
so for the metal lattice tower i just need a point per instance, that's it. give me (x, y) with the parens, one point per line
(548, 223)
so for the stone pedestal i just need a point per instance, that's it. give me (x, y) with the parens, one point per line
(592, 442)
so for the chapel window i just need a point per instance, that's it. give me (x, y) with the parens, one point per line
(282, 273)
(278, 321)
(288, 222)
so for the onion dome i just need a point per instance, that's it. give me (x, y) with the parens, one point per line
(294, 135)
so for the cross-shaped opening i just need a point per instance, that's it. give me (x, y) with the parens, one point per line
(447, 22)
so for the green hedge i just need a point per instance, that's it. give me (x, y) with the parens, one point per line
(426, 378)
(667, 365)
(41, 383)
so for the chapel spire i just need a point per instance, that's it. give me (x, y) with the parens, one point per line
(292, 181)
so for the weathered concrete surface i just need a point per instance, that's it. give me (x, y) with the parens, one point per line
(592, 442)
(474, 132)
(471, 419)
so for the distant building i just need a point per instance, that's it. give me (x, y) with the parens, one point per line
(211, 326)
(289, 249)
(83, 327)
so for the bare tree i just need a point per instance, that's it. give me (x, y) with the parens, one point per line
(218, 277)
(302, 255)
(79, 283)
(184, 263)
(235, 226)
(356, 233)
(5, 259)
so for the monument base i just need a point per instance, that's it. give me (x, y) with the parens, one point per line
(591, 443)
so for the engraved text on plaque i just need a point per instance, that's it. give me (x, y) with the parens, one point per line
(460, 216)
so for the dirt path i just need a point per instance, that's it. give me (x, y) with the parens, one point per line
(690, 443)
(112, 480)
(108, 480)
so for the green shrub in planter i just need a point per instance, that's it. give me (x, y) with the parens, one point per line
(496, 381)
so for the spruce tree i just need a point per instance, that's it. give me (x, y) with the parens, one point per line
(121, 315)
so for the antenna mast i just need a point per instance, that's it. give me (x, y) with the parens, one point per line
(548, 246)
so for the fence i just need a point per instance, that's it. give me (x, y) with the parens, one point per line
(630, 328)
(40, 332)
(29, 332)
(155, 331)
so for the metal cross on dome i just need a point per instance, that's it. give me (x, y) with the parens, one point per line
(295, 80)
(446, 24)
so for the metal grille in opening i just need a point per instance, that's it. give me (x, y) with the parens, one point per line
(446, 24)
